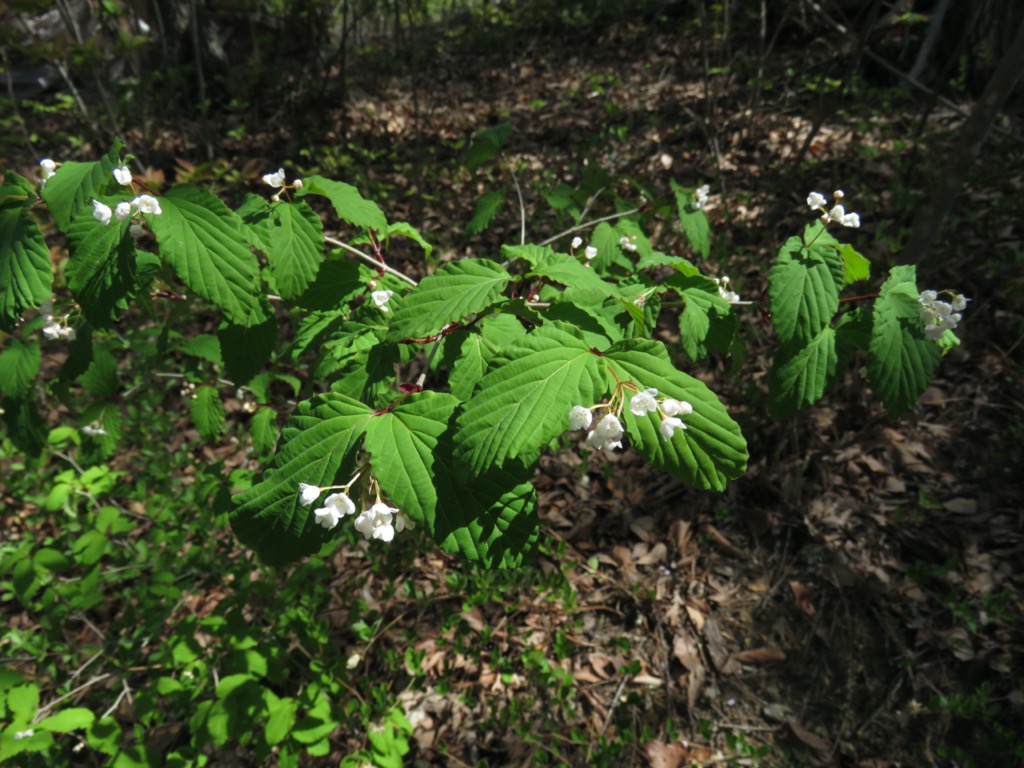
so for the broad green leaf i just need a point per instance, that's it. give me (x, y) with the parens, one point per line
(458, 289)
(598, 329)
(855, 266)
(803, 293)
(402, 444)
(800, 374)
(606, 240)
(711, 451)
(707, 321)
(901, 360)
(263, 430)
(75, 185)
(694, 221)
(524, 403)
(254, 213)
(658, 259)
(26, 274)
(468, 352)
(101, 271)
(319, 446)
(26, 427)
(205, 346)
(246, 349)
(68, 720)
(486, 208)
(296, 247)
(207, 411)
(23, 701)
(348, 203)
(336, 283)
(280, 720)
(19, 364)
(566, 270)
(486, 143)
(100, 379)
(204, 242)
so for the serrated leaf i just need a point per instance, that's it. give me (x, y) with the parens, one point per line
(72, 188)
(26, 427)
(468, 352)
(707, 321)
(566, 270)
(856, 267)
(319, 444)
(901, 361)
(486, 143)
(246, 349)
(207, 411)
(336, 283)
(402, 444)
(296, 247)
(19, 364)
(801, 374)
(263, 431)
(694, 221)
(26, 275)
(404, 229)
(101, 271)
(598, 329)
(606, 240)
(803, 293)
(100, 378)
(205, 346)
(68, 720)
(204, 242)
(711, 451)
(280, 721)
(456, 290)
(524, 403)
(348, 203)
(486, 208)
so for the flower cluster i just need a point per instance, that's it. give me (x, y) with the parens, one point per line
(817, 202)
(28, 733)
(57, 329)
(125, 209)
(379, 522)
(277, 180)
(94, 429)
(700, 197)
(609, 432)
(628, 243)
(940, 316)
(588, 253)
(725, 288)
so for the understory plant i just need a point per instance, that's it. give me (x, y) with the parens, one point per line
(426, 403)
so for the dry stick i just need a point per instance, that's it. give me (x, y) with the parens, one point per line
(370, 259)
(950, 176)
(589, 224)
(87, 684)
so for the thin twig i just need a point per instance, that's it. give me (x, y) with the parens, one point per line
(87, 684)
(369, 259)
(522, 206)
(589, 224)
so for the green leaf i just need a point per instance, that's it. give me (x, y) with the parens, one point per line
(203, 241)
(26, 274)
(800, 374)
(246, 349)
(336, 283)
(524, 403)
(707, 321)
(467, 352)
(207, 412)
(694, 221)
(280, 721)
(100, 379)
(566, 270)
(711, 451)
(402, 444)
(486, 208)
(296, 247)
(404, 229)
(19, 364)
(901, 361)
(855, 266)
(348, 203)
(486, 143)
(264, 432)
(319, 444)
(23, 701)
(73, 187)
(205, 346)
(606, 240)
(456, 290)
(803, 293)
(26, 427)
(101, 271)
(68, 720)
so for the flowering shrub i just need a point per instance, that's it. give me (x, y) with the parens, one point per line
(495, 356)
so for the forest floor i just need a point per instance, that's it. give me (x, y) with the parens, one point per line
(856, 598)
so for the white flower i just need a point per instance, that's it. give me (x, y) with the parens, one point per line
(959, 303)
(123, 176)
(122, 210)
(381, 299)
(850, 220)
(606, 435)
(837, 213)
(838, 194)
(28, 733)
(101, 212)
(724, 290)
(342, 503)
(627, 244)
(403, 521)
(669, 425)
(576, 243)
(274, 179)
(297, 184)
(147, 204)
(700, 196)
(816, 201)
(939, 316)
(672, 407)
(589, 252)
(95, 429)
(336, 506)
(48, 167)
(643, 403)
(377, 522)
(309, 493)
(580, 417)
